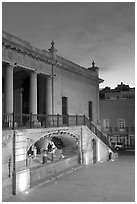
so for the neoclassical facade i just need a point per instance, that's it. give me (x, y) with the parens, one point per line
(42, 82)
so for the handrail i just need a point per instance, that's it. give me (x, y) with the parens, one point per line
(17, 121)
(97, 132)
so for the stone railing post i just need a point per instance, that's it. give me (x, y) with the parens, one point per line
(57, 120)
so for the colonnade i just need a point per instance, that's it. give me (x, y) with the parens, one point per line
(8, 91)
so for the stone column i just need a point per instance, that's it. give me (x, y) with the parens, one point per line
(49, 96)
(8, 93)
(33, 93)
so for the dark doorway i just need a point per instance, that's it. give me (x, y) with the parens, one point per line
(64, 109)
(90, 112)
(94, 151)
(41, 94)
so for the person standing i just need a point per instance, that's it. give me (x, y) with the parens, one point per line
(35, 152)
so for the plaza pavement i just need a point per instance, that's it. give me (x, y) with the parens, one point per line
(112, 181)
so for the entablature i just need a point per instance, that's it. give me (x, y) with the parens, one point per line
(37, 59)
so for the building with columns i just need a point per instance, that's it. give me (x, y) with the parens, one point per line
(46, 98)
(42, 82)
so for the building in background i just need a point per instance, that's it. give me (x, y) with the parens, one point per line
(117, 114)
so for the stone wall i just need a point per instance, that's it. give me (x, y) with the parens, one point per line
(40, 173)
(79, 90)
(102, 151)
(80, 134)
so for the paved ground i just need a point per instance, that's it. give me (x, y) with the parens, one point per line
(106, 182)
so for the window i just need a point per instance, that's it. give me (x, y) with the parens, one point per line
(64, 109)
(90, 107)
(121, 124)
(106, 124)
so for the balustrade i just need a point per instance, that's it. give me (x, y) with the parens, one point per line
(17, 121)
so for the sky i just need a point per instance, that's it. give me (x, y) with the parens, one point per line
(82, 31)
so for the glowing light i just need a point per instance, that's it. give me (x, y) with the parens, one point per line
(23, 181)
(98, 150)
(86, 159)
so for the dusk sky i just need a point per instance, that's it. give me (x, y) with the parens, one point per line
(83, 32)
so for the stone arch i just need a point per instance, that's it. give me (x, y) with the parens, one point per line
(50, 135)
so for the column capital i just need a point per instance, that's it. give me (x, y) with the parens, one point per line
(12, 64)
(35, 72)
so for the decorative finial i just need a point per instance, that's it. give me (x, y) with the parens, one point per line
(93, 64)
(53, 50)
(52, 43)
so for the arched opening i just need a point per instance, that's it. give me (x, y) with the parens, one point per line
(63, 145)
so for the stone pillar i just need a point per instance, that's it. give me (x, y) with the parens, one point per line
(98, 124)
(49, 96)
(33, 93)
(8, 93)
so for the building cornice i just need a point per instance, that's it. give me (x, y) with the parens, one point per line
(25, 48)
